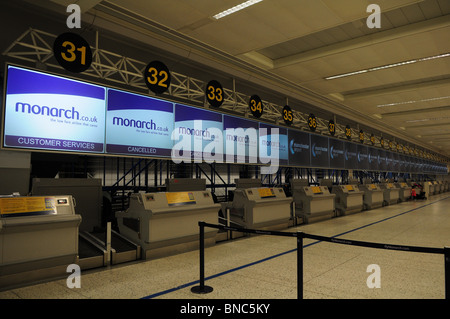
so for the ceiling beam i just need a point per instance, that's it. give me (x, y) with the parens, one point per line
(367, 40)
(85, 5)
(417, 111)
(447, 124)
(396, 89)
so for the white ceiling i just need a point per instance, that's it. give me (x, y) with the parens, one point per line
(301, 42)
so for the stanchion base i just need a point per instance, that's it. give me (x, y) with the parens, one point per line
(201, 290)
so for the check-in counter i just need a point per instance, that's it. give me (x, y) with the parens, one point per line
(38, 238)
(404, 192)
(438, 189)
(373, 196)
(428, 188)
(349, 199)
(390, 193)
(313, 201)
(261, 208)
(166, 223)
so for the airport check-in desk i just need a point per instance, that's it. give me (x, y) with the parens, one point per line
(167, 223)
(428, 188)
(404, 192)
(390, 193)
(437, 187)
(38, 238)
(373, 196)
(312, 201)
(260, 208)
(349, 199)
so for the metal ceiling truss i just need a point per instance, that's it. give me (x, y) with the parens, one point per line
(36, 46)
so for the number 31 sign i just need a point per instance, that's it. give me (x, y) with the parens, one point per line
(72, 52)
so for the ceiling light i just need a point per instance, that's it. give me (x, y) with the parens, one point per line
(413, 121)
(409, 102)
(429, 119)
(236, 8)
(444, 55)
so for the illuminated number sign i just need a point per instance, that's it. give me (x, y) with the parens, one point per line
(348, 132)
(288, 116)
(372, 139)
(256, 106)
(72, 52)
(214, 93)
(312, 122)
(331, 127)
(361, 136)
(157, 77)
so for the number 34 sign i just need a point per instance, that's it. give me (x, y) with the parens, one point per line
(72, 52)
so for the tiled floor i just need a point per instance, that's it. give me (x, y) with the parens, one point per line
(266, 266)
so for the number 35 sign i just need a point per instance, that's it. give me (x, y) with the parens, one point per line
(72, 52)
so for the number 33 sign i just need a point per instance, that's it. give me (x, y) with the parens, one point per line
(72, 52)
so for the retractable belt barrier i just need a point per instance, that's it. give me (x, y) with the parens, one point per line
(202, 289)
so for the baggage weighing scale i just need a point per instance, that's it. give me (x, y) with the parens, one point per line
(38, 238)
(260, 208)
(349, 199)
(312, 201)
(404, 191)
(373, 196)
(167, 223)
(390, 193)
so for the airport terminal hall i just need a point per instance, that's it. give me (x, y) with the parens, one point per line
(225, 158)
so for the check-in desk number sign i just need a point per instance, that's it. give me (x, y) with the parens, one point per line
(72, 52)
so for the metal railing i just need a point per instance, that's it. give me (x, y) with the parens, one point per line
(203, 289)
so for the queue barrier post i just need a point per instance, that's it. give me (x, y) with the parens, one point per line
(447, 272)
(300, 236)
(201, 288)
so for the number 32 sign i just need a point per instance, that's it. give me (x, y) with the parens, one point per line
(72, 52)
(157, 77)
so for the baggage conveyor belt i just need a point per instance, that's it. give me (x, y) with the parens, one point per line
(122, 249)
(90, 254)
